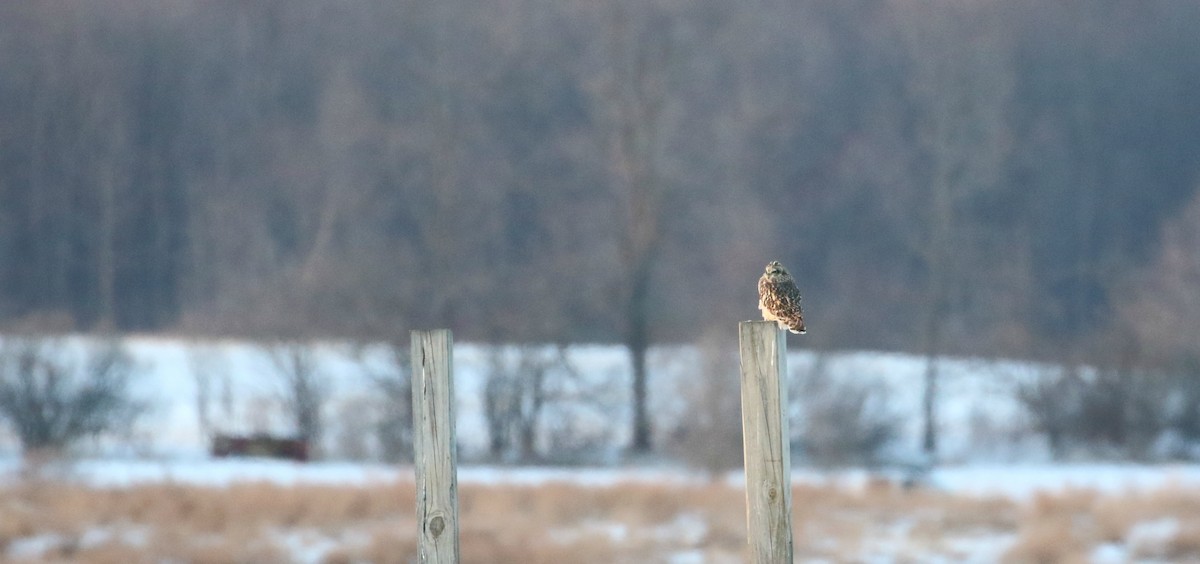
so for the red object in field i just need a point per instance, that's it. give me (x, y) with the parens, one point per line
(260, 445)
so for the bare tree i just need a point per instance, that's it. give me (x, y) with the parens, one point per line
(640, 52)
(214, 396)
(842, 421)
(235, 166)
(305, 388)
(394, 427)
(516, 391)
(202, 376)
(710, 432)
(1052, 399)
(576, 422)
(354, 438)
(960, 83)
(51, 400)
(1113, 410)
(1164, 308)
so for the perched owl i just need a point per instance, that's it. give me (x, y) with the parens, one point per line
(779, 299)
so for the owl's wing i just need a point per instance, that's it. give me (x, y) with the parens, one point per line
(788, 295)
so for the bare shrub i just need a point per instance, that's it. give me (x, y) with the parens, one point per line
(51, 399)
(513, 396)
(1180, 410)
(1121, 410)
(353, 434)
(842, 421)
(520, 382)
(304, 388)
(1105, 411)
(1052, 400)
(210, 373)
(576, 423)
(709, 435)
(394, 427)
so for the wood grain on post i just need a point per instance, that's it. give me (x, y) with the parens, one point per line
(763, 349)
(435, 457)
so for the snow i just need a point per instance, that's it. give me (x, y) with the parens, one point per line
(1017, 482)
(980, 419)
(1022, 481)
(33, 546)
(687, 557)
(985, 438)
(119, 473)
(1109, 553)
(1152, 537)
(170, 445)
(890, 542)
(615, 532)
(686, 527)
(306, 546)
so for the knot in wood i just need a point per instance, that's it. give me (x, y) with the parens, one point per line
(436, 526)
(772, 493)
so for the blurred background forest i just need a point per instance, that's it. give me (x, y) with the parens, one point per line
(993, 177)
(309, 180)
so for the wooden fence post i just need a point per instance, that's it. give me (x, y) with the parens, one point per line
(763, 349)
(435, 458)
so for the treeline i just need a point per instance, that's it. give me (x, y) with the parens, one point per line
(978, 177)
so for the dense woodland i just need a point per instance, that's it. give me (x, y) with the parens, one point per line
(1010, 177)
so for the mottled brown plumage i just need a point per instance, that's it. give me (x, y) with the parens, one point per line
(779, 299)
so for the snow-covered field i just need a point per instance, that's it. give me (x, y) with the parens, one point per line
(980, 421)
(1019, 482)
(976, 513)
(157, 493)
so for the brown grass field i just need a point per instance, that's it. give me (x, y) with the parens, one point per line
(51, 521)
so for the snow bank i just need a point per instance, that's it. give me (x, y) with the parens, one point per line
(980, 419)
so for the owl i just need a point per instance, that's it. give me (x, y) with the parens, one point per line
(779, 299)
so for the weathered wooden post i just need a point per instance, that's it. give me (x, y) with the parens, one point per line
(763, 349)
(435, 457)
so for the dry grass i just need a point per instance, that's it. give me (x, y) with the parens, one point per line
(1047, 539)
(560, 522)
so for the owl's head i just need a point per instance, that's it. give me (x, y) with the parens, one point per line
(774, 267)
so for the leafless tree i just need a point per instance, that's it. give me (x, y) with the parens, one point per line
(1051, 400)
(842, 421)
(52, 400)
(305, 388)
(355, 435)
(394, 427)
(1120, 406)
(1164, 304)
(516, 391)
(267, 168)
(960, 82)
(709, 435)
(1162, 313)
(214, 396)
(641, 54)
